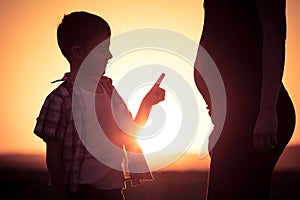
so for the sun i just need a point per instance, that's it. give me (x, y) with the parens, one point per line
(168, 113)
(165, 119)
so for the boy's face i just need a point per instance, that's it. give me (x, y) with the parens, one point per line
(97, 56)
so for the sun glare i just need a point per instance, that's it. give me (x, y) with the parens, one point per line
(160, 136)
(166, 117)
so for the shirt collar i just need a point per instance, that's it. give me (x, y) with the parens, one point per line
(65, 78)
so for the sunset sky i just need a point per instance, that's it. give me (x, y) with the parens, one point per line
(30, 57)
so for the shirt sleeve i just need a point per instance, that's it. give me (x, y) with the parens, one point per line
(50, 122)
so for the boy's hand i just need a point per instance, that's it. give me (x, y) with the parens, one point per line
(156, 94)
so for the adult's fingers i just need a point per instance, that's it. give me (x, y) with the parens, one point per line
(274, 140)
(264, 142)
(268, 143)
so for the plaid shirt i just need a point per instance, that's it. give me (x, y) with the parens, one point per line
(55, 122)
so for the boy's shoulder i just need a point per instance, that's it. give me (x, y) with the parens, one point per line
(107, 83)
(62, 92)
(106, 79)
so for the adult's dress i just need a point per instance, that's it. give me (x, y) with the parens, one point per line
(233, 36)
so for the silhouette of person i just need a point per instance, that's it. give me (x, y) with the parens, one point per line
(75, 172)
(246, 40)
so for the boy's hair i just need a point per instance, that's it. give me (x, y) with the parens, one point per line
(78, 28)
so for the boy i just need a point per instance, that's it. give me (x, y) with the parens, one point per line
(74, 171)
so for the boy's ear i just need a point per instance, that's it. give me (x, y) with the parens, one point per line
(77, 53)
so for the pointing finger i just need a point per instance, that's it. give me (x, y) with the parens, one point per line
(159, 80)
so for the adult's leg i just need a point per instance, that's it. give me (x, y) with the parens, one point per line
(237, 170)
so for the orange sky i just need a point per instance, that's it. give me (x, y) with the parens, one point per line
(30, 58)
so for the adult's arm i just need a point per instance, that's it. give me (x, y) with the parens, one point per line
(273, 21)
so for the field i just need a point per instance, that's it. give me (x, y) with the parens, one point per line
(24, 177)
(32, 185)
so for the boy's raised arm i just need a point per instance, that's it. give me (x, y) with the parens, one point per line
(154, 96)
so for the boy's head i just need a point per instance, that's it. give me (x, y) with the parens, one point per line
(78, 29)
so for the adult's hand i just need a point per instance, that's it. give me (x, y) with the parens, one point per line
(264, 134)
